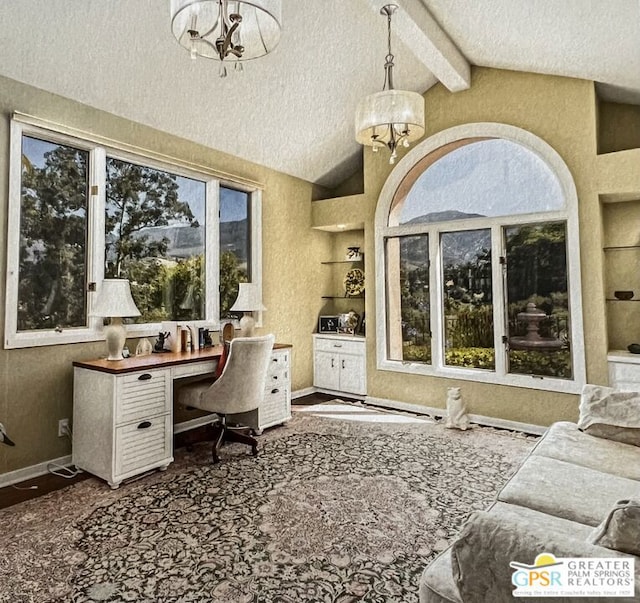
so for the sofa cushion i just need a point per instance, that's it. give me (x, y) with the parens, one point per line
(489, 542)
(621, 528)
(609, 413)
(530, 517)
(436, 582)
(566, 490)
(565, 442)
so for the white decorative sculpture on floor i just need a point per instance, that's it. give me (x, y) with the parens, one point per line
(457, 417)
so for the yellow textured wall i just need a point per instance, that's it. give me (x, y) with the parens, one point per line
(36, 383)
(619, 127)
(562, 112)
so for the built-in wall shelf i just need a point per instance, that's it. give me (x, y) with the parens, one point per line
(343, 262)
(621, 254)
(346, 297)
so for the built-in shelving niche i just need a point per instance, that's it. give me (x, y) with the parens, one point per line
(621, 227)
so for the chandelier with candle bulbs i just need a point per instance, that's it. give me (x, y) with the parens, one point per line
(229, 31)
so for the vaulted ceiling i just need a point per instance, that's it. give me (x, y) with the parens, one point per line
(293, 110)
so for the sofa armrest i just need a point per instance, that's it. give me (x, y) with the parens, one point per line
(488, 543)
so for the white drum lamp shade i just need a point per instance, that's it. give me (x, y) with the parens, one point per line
(248, 300)
(378, 113)
(114, 301)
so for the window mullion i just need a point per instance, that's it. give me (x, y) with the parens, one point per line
(255, 242)
(96, 228)
(498, 279)
(436, 296)
(212, 255)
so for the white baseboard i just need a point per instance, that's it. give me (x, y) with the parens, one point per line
(338, 394)
(307, 391)
(441, 412)
(27, 473)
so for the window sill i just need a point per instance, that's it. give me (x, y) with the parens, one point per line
(483, 376)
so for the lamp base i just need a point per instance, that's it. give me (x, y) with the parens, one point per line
(247, 325)
(115, 335)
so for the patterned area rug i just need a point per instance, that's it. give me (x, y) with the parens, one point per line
(332, 510)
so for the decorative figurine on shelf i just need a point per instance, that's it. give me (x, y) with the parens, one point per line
(159, 345)
(206, 338)
(144, 347)
(353, 254)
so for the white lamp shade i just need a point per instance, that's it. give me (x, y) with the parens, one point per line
(114, 299)
(248, 299)
(400, 108)
(259, 30)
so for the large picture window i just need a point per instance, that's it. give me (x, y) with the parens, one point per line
(80, 212)
(478, 238)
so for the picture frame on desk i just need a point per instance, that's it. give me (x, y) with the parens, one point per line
(328, 324)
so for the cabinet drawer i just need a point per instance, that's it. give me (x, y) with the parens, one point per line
(275, 407)
(143, 444)
(342, 346)
(143, 394)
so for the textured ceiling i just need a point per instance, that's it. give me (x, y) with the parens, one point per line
(293, 110)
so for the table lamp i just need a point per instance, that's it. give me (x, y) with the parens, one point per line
(248, 301)
(114, 301)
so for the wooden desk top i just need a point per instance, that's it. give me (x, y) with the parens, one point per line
(151, 361)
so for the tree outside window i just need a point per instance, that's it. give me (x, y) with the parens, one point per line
(53, 226)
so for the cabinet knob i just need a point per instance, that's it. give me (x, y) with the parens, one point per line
(144, 377)
(144, 425)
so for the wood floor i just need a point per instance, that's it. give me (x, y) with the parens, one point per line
(17, 493)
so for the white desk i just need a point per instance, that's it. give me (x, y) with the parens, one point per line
(123, 410)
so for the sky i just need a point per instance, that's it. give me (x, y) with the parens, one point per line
(489, 177)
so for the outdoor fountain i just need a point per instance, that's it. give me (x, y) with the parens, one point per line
(532, 317)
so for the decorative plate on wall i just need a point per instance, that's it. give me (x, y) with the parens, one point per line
(354, 282)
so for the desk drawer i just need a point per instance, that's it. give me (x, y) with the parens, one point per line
(143, 444)
(195, 368)
(143, 394)
(275, 407)
(278, 372)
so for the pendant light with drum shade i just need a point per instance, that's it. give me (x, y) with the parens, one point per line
(391, 117)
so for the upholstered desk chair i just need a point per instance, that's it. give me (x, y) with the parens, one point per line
(237, 393)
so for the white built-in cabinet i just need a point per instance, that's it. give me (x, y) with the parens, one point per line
(339, 363)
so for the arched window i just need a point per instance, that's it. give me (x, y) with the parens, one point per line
(477, 245)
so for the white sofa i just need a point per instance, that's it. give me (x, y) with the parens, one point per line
(554, 503)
